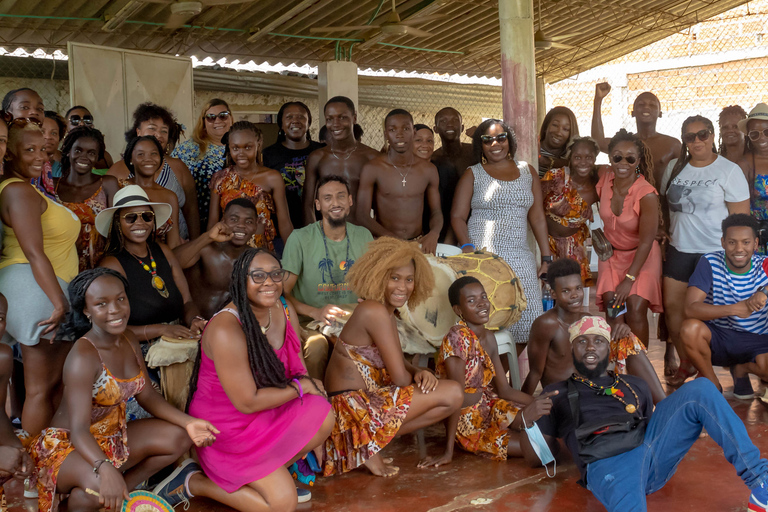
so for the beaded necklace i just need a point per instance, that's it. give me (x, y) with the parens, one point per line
(328, 256)
(613, 391)
(157, 281)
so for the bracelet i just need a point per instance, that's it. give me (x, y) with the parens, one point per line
(301, 390)
(145, 333)
(97, 464)
(467, 245)
(631, 277)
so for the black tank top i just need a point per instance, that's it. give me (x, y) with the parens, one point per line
(147, 305)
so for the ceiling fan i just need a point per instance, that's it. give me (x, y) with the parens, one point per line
(392, 26)
(544, 42)
(182, 11)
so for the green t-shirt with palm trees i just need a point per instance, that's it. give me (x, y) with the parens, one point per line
(322, 272)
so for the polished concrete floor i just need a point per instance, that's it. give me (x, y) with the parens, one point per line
(704, 481)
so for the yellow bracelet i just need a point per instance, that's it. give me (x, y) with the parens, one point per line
(631, 277)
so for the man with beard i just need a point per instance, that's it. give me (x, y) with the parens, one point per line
(624, 449)
(398, 183)
(451, 160)
(343, 156)
(549, 349)
(726, 320)
(317, 258)
(207, 261)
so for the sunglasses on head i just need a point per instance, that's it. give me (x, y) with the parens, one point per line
(221, 115)
(489, 139)
(259, 276)
(24, 121)
(629, 158)
(690, 137)
(146, 216)
(755, 134)
(75, 120)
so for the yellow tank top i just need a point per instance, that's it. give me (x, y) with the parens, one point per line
(61, 228)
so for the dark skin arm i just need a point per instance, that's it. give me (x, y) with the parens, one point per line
(364, 201)
(196, 325)
(187, 182)
(598, 133)
(110, 186)
(429, 242)
(14, 460)
(541, 406)
(310, 184)
(462, 202)
(188, 254)
(277, 189)
(538, 220)
(539, 343)
(649, 225)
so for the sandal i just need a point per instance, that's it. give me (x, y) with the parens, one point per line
(683, 373)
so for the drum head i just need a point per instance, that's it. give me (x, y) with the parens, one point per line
(143, 501)
(434, 317)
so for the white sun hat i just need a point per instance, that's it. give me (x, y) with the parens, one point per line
(128, 197)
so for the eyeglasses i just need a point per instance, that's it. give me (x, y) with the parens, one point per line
(690, 137)
(75, 120)
(489, 139)
(755, 134)
(629, 158)
(259, 277)
(221, 115)
(24, 121)
(146, 216)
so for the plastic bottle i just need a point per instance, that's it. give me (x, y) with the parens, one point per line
(547, 301)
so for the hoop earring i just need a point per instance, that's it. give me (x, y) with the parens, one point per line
(509, 156)
(483, 160)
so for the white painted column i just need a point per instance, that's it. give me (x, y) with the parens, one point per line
(337, 78)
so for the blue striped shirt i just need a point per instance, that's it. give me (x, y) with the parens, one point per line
(723, 287)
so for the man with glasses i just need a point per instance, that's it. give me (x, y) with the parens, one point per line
(81, 116)
(397, 184)
(318, 258)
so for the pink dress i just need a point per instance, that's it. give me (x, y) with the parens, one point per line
(252, 446)
(624, 234)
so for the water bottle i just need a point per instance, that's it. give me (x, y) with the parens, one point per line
(547, 301)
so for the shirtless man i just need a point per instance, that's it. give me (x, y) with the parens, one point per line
(343, 156)
(400, 181)
(451, 160)
(549, 348)
(208, 259)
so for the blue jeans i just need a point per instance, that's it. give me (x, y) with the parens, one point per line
(621, 482)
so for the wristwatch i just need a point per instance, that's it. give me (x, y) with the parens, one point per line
(546, 259)
(763, 289)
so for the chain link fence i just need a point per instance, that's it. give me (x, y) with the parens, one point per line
(719, 62)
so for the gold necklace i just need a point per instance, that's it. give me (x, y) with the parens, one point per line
(269, 323)
(157, 281)
(613, 391)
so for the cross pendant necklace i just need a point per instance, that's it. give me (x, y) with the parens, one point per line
(404, 176)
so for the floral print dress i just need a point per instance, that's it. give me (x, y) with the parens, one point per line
(482, 426)
(202, 167)
(90, 244)
(230, 185)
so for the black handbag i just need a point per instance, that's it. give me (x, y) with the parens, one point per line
(605, 437)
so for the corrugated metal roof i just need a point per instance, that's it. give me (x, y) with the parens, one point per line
(606, 29)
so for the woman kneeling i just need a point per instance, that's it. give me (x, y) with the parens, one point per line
(376, 393)
(487, 424)
(91, 452)
(250, 379)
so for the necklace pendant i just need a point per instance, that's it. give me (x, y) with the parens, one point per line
(159, 285)
(630, 408)
(264, 329)
(403, 181)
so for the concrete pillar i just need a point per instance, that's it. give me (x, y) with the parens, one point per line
(541, 101)
(337, 78)
(518, 75)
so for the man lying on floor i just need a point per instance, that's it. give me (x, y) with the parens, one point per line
(622, 447)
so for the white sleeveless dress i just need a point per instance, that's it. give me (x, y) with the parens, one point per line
(499, 222)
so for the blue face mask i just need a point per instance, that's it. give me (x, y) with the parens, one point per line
(541, 447)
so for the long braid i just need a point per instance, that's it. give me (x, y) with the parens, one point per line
(644, 164)
(76, 323)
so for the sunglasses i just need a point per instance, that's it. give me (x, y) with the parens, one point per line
(755, 134)
(618, 158)
(690, 137)
(221, 115)
(488, 139)
(259, 277)
(146, 216)
(24, 121)
(75, 120)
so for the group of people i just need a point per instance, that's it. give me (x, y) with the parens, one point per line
(246, 248)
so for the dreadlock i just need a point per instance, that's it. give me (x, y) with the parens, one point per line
(281, 113)
(80, 132)
(730, 110)
(266, 368)
(685, 157)
(243, 126)
(76, 323)
(645, 164)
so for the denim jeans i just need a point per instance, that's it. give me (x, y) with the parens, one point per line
(621, 482)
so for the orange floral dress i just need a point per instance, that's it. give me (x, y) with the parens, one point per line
(482, 426)
(230, 185)
(367, 419)
(564, 205)
(90, 244)
(108, 426)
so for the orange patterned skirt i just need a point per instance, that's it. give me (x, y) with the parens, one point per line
(623, 348)
(482, 427)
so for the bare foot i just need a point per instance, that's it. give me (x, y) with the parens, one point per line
(378, 467)
(441, 460)
(670, 361)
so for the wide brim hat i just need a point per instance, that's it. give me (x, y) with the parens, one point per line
(128, 197)
(760, 112)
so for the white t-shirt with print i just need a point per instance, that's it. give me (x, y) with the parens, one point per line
(697, 201)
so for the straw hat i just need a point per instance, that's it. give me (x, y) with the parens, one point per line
(760, 112)
(128, 197)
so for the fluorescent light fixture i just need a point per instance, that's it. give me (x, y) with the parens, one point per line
(117, 19)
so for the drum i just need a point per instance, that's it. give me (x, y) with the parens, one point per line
(500, 282)
(434, 317)
(445, 250)
(176, 360)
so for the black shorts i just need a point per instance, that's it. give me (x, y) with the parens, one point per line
(680, 265)
(731, 347)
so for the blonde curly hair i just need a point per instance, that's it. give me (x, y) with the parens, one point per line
(369, 275)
